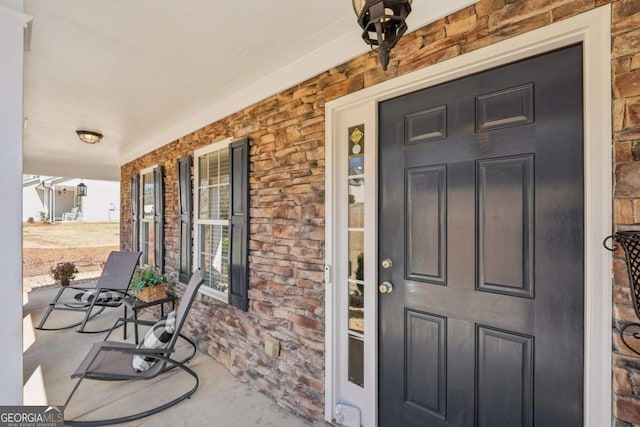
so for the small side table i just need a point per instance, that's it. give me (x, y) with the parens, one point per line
(136, 305)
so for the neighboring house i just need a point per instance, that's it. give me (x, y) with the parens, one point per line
(56, 199)
(492, 199)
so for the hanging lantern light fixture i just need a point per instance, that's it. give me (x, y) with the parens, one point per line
(383, 22)
(81, 189)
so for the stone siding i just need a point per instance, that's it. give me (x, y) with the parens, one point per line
(287, 198)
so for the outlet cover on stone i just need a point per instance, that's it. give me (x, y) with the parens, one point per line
(271, 347)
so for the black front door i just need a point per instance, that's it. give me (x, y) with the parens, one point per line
(481, 214)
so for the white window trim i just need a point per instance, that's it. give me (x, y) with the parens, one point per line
(141, 217)
(593, 30)
(219, 145)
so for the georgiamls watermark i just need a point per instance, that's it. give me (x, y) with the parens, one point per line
(31, 416)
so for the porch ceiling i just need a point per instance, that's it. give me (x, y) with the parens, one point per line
(145, 72)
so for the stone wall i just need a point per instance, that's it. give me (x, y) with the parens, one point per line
(626, 137)
(287, 195)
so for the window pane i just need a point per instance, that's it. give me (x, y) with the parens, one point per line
(213, 191)
(214, 203)
(214, 256)
(356, 165)
(147, 243)
(144, 245)
(203, 170)
(209, 203)
(356, 203)
(151, 254)
(148, 196)
(203, 203)
(213, 168)
(356, 360)
(224, 166)
(356, 255)
(224, 201)
(356, 307)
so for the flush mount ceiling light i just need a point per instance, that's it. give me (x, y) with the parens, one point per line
(89, 137)
(383, 22)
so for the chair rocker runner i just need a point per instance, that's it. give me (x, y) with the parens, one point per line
(113, 361)
(112, 285)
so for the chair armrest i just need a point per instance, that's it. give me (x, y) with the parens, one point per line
(121, 321)
(120, 291)
(138, 321)
(115, 346)
(82, 288)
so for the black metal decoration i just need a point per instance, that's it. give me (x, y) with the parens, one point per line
(383, 22)
(630, 242)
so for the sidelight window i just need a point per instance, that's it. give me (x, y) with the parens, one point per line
(356, 288)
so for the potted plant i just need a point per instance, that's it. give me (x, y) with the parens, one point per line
(64, 272)
(148, 285)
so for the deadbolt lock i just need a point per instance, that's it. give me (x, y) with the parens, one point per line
(387, 263)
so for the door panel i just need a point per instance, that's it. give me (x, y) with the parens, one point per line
(505, 225)
(481, 211)
(509, 107)
(504, 388)
(425, 350)
(426, 223)
(428, 125)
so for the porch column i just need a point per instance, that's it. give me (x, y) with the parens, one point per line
(12, 23)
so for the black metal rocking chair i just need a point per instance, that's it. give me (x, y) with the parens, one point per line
(112, 361)
(115, 278)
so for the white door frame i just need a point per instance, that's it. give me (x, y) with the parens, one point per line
(593, 30)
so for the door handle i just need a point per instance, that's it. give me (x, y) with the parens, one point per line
(385, 287)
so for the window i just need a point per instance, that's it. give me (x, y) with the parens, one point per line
(212, 190)
(147, 216)
(221, 220)
(147, 211)
(356, 254)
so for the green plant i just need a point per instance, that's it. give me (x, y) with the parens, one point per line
(147, 277)
(64, 273)
(44, 217)
(360, 267)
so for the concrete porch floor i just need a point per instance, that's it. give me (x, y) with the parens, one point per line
(51, 356)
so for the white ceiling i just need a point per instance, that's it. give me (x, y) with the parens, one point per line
(146, 72)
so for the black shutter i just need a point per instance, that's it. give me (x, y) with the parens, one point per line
(135, 212)
(185, 195)
(239, 232)
(158, 219)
